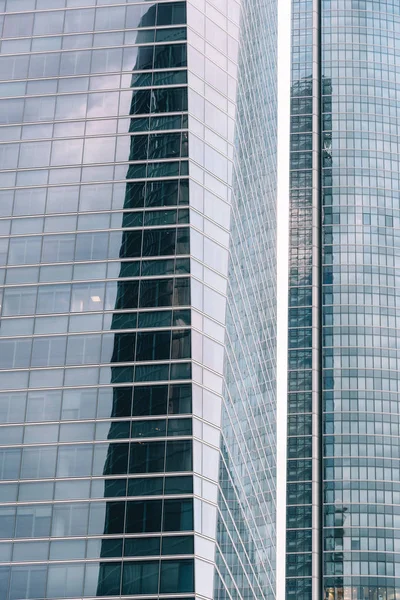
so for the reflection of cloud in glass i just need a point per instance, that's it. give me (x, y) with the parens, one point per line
(11, 111)
(102, 104)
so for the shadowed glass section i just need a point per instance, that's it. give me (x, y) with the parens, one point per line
(300, 381)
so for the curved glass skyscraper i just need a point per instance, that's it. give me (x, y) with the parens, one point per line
(343, 444)
(360, 192)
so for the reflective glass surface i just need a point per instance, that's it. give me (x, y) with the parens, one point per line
(247, 500)
(360, 69)
(358, 172)
(300, 320)
(96, 428)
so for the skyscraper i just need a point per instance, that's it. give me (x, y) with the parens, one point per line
(343, 408)
(117, 125)
(199, 216)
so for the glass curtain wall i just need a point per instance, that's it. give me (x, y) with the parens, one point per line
(356, 92)
(95, 408)
(246, 534)
(299, 511)
(361, 70)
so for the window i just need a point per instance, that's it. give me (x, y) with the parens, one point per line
(147, 457)
(173, 13)
(131, 246)
(140, 577)
(158, 292)
(124, 347)
(27, 582)
(178, 515)
(127, 295)
(109, 580)
(143, 516)
(177, 576)
(179, 456)
(153, 345)
(142, 546)
(150, 400)
(117, 460)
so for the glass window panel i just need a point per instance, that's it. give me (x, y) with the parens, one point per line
(108, 579)
(153, 428)
(141, 16)
(12, 407)
(40, 433)
(114, 517)
(33, 521)
(145, 486)
(142, 546)
(111, 548)
(72, 490)
(48, 22)
(38, 462)
(69, 520)
(43, 65)
(178, 545)
(173, 13)
(67, 549)
(140, 577)
(75, 63)
(7, 522)
(79, 20)
(74, 461)
(179, 427)
(65, 581)
(30, 551)
(155, 319)
(150, 400)
(4, 579)
(180, 399)
(177, 576)
(179, 456)
(178, 485)
(147, 457)
(178, 515)
(28, 582)
(153, 346)
(113, 487)
(18, 25)
(117, 460)
(79, 404)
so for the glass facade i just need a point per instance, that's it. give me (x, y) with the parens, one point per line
(138, 294)
(303, 398)
(116, 158)
(95, 352)
(246, 532)
(360, 178)
(343, 381)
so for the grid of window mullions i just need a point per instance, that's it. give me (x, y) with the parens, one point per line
(142, 45)
(299, 473)
(157, 567)
(371, 474)
(90, 137)
(92, 5)
(101, 72)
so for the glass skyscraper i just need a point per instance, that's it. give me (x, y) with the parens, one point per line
(199, 225)
(117, 131)
(343, 494)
